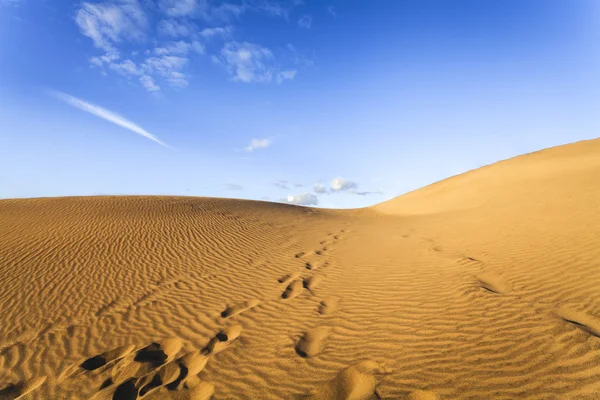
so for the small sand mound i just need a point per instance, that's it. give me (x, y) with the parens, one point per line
(202, 391)
(312, 282)
(586, 322)
(239, 308)
(289, 277)
(493, 283)
(328, 305)
(293, 290)
(311, 343)
(357, 382)
(223, 340)
(422, 395)
(160, 352)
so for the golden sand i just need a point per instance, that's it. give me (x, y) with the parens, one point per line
(482, 286)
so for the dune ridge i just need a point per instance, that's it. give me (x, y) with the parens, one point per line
(481, 286)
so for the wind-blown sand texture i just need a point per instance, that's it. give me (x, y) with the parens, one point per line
(482, 286)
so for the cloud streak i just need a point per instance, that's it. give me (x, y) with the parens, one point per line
(258, 144)
(106, 115)
(305, 199)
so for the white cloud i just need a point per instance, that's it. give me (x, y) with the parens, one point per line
(305, 21)
(166, 63)
(148, 83)
(178, 48)
(209, 33)
(178, 8)
(258, 144)
(106, 115)
(298, 58)
(169, 68)
(342, 185)
(126, 68)
(288, 74)
(365, 193)
(320, 188)
(198, 47)
(174, 28)
(224, 11)
(106, 58)
(177, 80)
(9, 2)
(247, 62)
(234, 186)
(305, 199)
(109, 23)
(331, 10)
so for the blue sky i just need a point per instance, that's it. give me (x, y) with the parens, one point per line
(329, 103)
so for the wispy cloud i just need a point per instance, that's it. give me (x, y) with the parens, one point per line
(173, 29)
(342, 185)
(109, 23)
(258, 144)
(234, 186)
(331, 10)
(247, 62)
(178, 8)
(209, 33)
(106, 115)
(320, 188)
(148, 83)
(281, 185)
(283, 75)
(10, 2)
(305, 21)
(304, 199)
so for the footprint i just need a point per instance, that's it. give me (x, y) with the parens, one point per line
(493, 283)
(222, 340)
(102, 359)
(160, 352)
(311, 343)
(581, 320)
(93, 363)
(299, 255)
(312, 282)
(292, 290)
(239, 308)
(21, 389)
(129, 368)
(191, 365)
(355, 382)
(167, 374)
(328, 305)
(289, 277)
(314, 266)
(319, 252)
(125, 391)
(202, 391)
(422, 395)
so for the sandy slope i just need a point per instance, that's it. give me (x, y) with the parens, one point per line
(485, 285)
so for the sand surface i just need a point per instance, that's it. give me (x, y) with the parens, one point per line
(482, 286)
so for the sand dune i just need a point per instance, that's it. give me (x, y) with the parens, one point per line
(482, 286)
